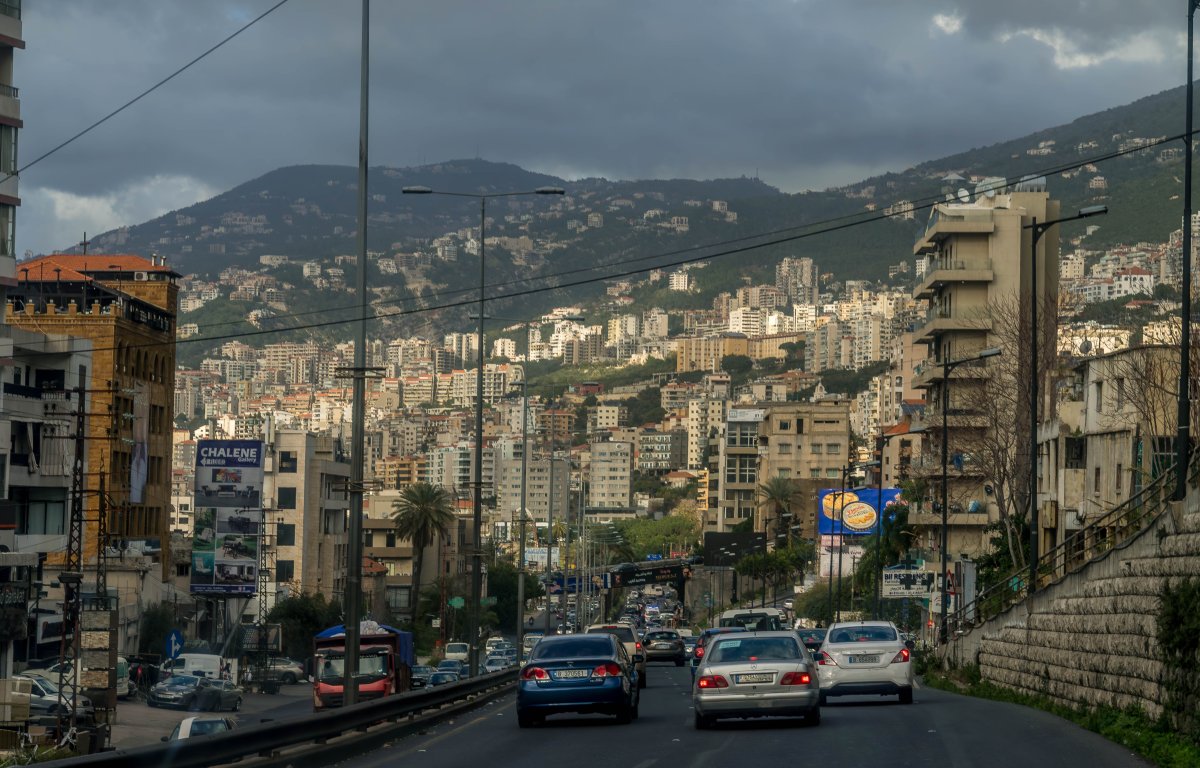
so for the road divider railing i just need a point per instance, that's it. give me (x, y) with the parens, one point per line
(338, 732)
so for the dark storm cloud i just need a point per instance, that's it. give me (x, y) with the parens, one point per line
(806, 94)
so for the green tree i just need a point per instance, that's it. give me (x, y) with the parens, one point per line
(300, 618)
(422, 513)
(157, 622)
(502, 585)
(736, 364)
(780, 492)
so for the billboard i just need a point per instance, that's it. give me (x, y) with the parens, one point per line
(852, 512)
(139, 465)
(228, 517)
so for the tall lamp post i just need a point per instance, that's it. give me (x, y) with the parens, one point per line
(1183, 419)
(1036, 230)
(882, 442)
(477, 512)
(949, 365)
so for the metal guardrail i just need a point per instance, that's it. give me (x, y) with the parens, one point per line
(268, 739)
(1109, 531)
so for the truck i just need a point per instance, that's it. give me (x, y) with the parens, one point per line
(385, 661)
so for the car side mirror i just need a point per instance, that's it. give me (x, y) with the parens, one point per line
(909, 644)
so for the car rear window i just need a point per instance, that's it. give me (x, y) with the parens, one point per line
(205, 727)
(862, 635)
(579, 645)
(624, 634)
(754, 649)
(661, 636)
(456, 648)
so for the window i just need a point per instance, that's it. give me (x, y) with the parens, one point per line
(285, 535)
(1120, 384)
(741, 469)
(785, 447)
(1096, 483)
(285, 570)
(1099, 397)
(833, 449)
(398, 598)
(833, 473)
(1120, 471)
(784, 426)
(390, 539)
(1075, 453)
(43, 517)
(286, 497)
(817, 448)
(287, 462)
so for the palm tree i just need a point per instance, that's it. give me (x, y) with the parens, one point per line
(780, 492)
(421, 514)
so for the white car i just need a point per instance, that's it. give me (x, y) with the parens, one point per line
(191, 727)
(865, 657)
(458, 652)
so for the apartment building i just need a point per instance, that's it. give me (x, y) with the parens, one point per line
(705, 424)
(610, 476)
(547, 489)
(125, 306)
(979, 260)
(659, 451)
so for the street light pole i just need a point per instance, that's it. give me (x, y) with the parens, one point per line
(1183, 418)
(522, 511)
(949, 365)
(1037, 230)
(477, 480)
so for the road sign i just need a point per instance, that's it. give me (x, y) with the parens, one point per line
(654, 557)
(456, 602)
(435, 623)
(487, 602)
(907, 583)
(174, 644)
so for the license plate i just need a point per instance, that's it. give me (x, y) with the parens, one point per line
(565, 674)
(864, 659)
(662, 646)
(756, 677)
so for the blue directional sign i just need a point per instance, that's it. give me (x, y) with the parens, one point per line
(174, 644)
(654, 557)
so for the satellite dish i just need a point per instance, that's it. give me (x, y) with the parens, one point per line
(1085, 346)
(964, 196)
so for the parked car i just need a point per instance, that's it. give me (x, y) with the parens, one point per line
(495, 663)
(633, 646)
(581, 673)
(286, 671)
(664, 645)
(179, 691)
(191, 727)
(44, 700)
(866, 657)
(756, 674)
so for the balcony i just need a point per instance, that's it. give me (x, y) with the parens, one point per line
(954, 220)
(929, 371)
(939, 321)
(947, 271)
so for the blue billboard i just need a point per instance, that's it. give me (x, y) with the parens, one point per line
(852, 512)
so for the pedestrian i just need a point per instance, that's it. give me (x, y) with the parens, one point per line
(247, 678)
(225, 670)
(138, 678)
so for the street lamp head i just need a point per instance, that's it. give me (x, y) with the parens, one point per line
(549, 191)
(417, 191)
(991, 351)
(1093, 210)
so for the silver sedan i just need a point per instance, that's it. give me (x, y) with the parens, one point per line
(756, 674)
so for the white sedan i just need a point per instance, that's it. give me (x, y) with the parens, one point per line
(866, 657)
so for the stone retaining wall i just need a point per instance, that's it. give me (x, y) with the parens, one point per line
(1090, 639)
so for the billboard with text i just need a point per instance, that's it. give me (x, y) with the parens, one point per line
(228, 517)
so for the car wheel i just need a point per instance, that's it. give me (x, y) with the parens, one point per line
(906, 696)
(823, 699)
(679, 662)
(703, 723)
(289, 679)
(642, 680)
(526, 720)
(150, 703)
(813, 717)
(625, 715)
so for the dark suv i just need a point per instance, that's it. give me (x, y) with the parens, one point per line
(664, 645)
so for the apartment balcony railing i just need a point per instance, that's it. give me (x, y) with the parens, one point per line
(9, 91)
(946, 271)
(11, 8)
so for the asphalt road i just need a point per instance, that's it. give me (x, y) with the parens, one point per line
(940, 730)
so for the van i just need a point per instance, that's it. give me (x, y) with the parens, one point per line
(198, 664)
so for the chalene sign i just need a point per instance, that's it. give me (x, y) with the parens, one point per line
(913, 584)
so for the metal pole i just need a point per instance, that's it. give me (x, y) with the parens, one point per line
(945, 484)
(1034, 524)
(841, 536)
(550, 536)
(477, 512)
(879, 528)
(1182, 437)
(521, 511)
(357, 429)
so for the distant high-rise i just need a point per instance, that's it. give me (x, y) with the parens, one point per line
(797, 277)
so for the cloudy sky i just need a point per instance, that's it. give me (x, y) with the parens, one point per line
(804, 93)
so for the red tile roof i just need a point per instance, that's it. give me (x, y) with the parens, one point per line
(83, 267)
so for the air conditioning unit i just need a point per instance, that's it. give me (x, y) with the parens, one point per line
(141, 276)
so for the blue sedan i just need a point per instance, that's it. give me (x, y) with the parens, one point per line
(577, 673)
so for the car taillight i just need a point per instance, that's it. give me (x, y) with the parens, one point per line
(611, 669)
(796, 678)
(639, 646)
(712, 681)
(825, 660)
(699, 651)
(534, 673)
(901, 657)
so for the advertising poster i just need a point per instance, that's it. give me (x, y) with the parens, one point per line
(852, 513)
(228, 517)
